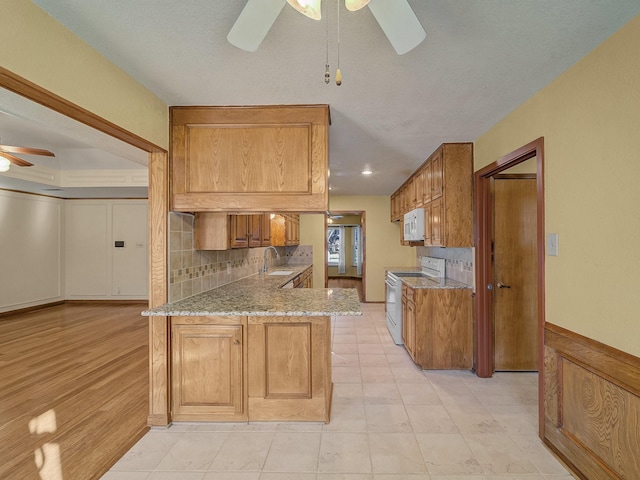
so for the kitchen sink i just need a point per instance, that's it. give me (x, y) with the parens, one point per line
(281, 272)
(409, 274)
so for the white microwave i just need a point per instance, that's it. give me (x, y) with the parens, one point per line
(414, 225)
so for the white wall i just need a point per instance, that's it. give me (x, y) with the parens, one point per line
(95, 268)
(53, 250)
(31, 248)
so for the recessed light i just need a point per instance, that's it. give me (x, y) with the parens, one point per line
(367, 172)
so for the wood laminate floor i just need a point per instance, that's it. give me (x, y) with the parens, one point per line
(73, 390)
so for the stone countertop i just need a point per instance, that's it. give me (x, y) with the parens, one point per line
(426, 282)
(262, 295)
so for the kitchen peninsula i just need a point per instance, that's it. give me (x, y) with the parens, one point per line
(251, 350)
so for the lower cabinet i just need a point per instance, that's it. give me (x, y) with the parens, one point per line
(409, 320)
(437, 327)
(304, 280)
(289, 368)
(208, 368)
(251, 368)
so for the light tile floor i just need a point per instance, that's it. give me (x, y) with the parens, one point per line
(390, 421)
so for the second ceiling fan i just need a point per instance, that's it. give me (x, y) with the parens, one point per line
(7, 156)
(395, 17)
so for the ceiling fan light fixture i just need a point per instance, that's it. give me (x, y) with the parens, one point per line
(354, 5)
(310, 8)
(399, 23)
(4, 164)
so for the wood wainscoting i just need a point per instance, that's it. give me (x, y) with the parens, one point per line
(592, 405)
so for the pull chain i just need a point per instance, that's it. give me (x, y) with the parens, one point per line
(338, 72)
(327, 75)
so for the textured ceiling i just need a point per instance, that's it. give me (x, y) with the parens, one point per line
(481, 59)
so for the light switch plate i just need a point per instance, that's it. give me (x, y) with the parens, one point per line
(552, 244)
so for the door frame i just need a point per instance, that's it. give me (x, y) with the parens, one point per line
(363, 232)
(159, 341)
(484, 344)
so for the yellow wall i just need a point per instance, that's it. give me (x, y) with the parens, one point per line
(589, 118)
(382, 240)
(38, 48)
(312, 233)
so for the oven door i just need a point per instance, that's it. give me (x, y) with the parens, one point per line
(393, 307)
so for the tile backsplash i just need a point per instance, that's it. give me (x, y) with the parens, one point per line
(459, 262)
(195, 271)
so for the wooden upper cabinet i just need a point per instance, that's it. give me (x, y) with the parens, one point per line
(255, 230)
(426, 183)
(419, 187)
(446, 179)
(278, 226)
(292, 230)
(257, 159)
(411, 194)
(219, 231)
(265, 230)
(396, 207)
(211, 231)
(240, 232)
(437, 174)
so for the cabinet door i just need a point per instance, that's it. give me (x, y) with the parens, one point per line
(255, 230)
(265, 230)
(408, 321)
(308, 283)
(395, 207)
(446, 335)
(254, 159)
(292, 229)
(427, 224)
(437, 222)
(426, 185)
(296, 229)
(437, 175)
(278, 230)
(419, 187)
(411, 194)
(211, 231)
(207, 371)
(289, 368)
(239, 231)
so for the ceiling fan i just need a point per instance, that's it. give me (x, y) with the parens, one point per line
(395, 17)
(7, 156)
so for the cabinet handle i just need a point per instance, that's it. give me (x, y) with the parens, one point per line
(502, 285)
(236, 342)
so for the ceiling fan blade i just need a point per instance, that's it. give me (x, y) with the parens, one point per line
(25, 150)
(399, 23)
(15, 160)
(254, 23)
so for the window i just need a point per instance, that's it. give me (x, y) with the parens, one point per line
(334, 243)
(355, 239)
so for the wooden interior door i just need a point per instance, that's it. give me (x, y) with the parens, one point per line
(515, 273)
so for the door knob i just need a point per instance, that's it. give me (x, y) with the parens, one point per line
(502, 285)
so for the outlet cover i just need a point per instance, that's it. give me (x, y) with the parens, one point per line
(552, 244)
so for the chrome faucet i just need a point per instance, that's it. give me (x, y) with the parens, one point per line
(264, 264)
